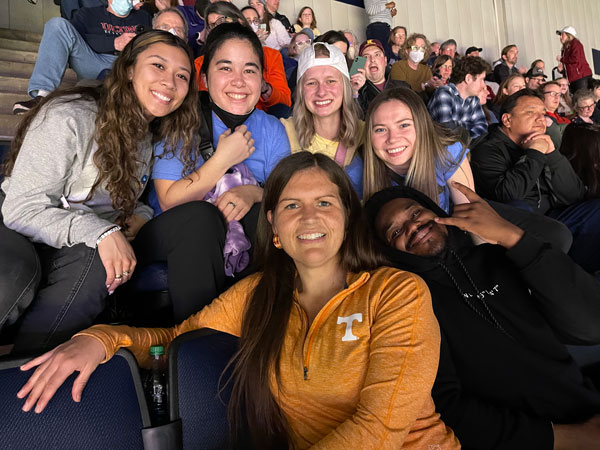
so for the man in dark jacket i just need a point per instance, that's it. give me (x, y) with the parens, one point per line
(505, 378)
(516, 163)
(89, 44)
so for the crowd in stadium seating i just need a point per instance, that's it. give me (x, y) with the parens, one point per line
(414, 233)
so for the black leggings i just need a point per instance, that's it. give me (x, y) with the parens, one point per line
(582, 83)
(190, 239)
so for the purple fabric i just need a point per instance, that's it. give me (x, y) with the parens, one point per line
(237, 244)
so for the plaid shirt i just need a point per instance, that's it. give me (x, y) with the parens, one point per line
(448, 107)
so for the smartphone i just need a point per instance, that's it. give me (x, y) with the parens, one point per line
(358, 63)
(437, 75)
(263, 26)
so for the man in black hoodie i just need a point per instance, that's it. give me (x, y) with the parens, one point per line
(516, 163)
(505, 309)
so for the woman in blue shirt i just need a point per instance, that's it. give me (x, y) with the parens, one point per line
(404, 146)
(184, 178)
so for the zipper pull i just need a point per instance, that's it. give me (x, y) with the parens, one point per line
(306, 373)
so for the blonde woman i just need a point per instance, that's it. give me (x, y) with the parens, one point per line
(326, 117)
(572, 58)
(404, 146)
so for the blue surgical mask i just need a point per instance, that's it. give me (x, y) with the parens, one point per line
(121, 7)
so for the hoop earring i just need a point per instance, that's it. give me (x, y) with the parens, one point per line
(276, 241)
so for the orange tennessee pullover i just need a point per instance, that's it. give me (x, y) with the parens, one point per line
(274, 74)
(359, 377)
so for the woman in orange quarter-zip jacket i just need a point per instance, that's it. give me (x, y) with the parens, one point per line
(348, 353)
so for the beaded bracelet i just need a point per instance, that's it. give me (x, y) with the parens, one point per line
(107, 233)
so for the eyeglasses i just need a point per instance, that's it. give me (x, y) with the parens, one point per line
(303, 44)
(414, 48)
(219, 21)
(592, 106)
(552, 94)
(167, 27)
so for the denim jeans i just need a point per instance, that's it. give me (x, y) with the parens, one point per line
(61, 45)
(583, 219)
(71, 293)
(20, 274)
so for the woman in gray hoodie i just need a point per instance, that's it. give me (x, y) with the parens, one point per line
(77, 166)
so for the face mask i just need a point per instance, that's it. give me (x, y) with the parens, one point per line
(416, 56)
(121, 7)
(254, 27)
(231, 121)
(351, 52)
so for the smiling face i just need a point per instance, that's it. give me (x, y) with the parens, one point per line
(161, 79)
(310, 219)
(376, 62)
(323, 89)
(407, 226)
(234, 77)
(526, 118)
(564, 85)
(514, 85)
(393, 135)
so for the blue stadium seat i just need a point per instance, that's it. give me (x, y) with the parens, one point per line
(111, 414)
(196, 361)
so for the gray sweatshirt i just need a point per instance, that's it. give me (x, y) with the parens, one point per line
(54, 173)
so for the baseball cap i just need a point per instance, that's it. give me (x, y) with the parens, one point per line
(370, 43)
(473, 49)
(309, 33)
(568, 29)
(336, 59)
(535, 72)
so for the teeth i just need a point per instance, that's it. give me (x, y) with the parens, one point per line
(324, 102)
(310, 237)
(161, 96)
(237, 96)
(396, 150)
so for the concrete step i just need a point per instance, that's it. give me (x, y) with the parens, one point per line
(13, 85)
(7, 100)
(14, 44)
(17, 56)
(24, 70)
(20, 35)
(19, 85)
(8, 126)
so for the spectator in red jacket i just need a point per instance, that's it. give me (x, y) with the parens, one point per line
(572, 57)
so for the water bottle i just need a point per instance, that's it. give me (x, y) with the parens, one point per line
(157, 386)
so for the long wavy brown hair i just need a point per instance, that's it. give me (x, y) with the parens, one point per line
(121, 124)
(429, 155)
(256, 418)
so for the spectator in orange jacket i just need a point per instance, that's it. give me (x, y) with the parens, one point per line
(276, 97)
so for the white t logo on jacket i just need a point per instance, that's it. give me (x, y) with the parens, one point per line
(348, 321)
